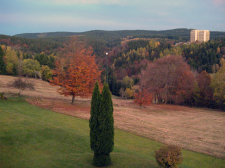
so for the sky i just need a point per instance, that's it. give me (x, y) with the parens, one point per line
(39, 16)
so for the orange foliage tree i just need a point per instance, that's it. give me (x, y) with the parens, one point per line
(142, 97)
(76, 72)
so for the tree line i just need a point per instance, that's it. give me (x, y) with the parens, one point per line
(126, 62)
(129, 58)
(16, 63)
(170, 80)
(34, 46)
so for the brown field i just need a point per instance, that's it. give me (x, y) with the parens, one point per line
(196, 129)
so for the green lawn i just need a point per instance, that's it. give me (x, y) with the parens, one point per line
(31, 137)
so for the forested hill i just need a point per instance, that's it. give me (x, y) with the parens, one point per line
(110, 34)
(107, 35)
(129, 53)
(48, 34)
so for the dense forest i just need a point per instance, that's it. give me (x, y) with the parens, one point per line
(130, 53)
(107, 35)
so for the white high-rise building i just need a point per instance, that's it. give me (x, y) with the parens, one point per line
(199, 35)
(194, 35)
(204, 35)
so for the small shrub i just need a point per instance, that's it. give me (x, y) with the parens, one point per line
(2, 97)
(21, 84)
(169, 156)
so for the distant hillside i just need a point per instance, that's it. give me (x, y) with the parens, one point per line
(51, 42)
(106, 35)
(44, 35)
(110, 34)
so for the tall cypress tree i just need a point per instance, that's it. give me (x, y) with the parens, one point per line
(102, 123)
(2, 64)
(93, 122)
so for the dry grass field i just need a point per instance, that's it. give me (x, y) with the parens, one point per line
(196, 129)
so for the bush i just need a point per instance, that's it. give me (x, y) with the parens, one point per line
(21, 84)
(169, 156)
(2, 97)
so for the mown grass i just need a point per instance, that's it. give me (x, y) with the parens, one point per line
(35, 137)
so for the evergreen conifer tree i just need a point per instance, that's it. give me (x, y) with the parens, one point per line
(93, 122)
(102, 127)
(2, 64)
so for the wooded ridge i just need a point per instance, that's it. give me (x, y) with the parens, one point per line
(182, 32)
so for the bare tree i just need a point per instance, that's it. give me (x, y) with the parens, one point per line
(21, 84)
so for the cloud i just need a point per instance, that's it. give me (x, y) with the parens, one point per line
(63, 22)
(112, 2)
(85, 2)
(219, 2)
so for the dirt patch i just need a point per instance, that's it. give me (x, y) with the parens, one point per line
(200, 130)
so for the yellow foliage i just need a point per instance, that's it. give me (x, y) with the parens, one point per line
(218, 83)
(129, 93)
(218, 50)
(11, 55)
(4, 48)
(11, 59)
(9, 68)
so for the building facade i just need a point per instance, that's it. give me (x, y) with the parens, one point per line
(199, 35)
(194, 35)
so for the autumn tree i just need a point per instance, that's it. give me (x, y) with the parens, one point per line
(142, 97)
(20, 64)
(168, 79)
(76, 71)
(218, 85)
(205, 91)
(46, 73)
(126, 94)
(129, 93)
(128, 82)
(31, 67)
(11, 60)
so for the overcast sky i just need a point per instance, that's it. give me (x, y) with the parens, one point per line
(36, 16)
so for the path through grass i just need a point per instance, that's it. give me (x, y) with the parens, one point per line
(35, 137)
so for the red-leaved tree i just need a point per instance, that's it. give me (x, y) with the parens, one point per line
(142, 97)
(76, 72)
(205, 91)
(168, 79)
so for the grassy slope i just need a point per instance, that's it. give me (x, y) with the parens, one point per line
(34, 137)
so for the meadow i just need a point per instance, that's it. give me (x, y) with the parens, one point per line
(43, 129)
(35, 137)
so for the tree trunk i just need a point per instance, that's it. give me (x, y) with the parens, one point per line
(166, 98)
(73, 98)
